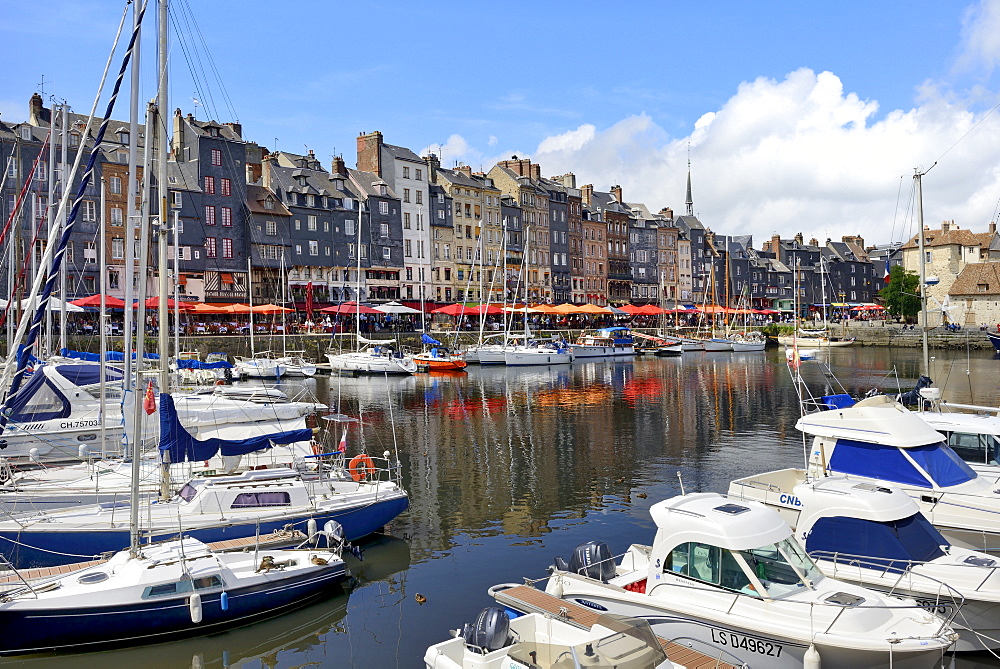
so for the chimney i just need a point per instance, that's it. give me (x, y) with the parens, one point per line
(617, 192)
(568, 180)
(944, 226)
(993, 228)
(337, 166)
(177, 141)
(667, 212)
(37, 113)
(587, 192)
(464, 169)
(433, 165)
(815, 242)
(776, 246)
(798, 238)
(370, 152)
(250, 173)
(237, 129)
(536, 171)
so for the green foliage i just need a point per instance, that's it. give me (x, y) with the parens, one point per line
(901, 294)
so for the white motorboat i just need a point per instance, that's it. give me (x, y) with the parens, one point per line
(497, 641)
(730, 573)
(875, 536)
(173, 588)
(538, 354)
(604, 343)
(260, 366)
(748, 341)
(295, 364)
(879, 440)
(378, 357)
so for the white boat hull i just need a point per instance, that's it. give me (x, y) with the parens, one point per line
(260, 368)
(368, 363)
(588, 351)
(523, 357)
(744, 346)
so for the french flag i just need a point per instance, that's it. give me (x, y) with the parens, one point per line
(342, 446)
(886, 277)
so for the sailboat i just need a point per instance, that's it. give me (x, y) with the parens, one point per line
(379, 356)
(177, 587)
(260, 364)
(294, 362)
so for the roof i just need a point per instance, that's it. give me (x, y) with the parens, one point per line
(712, 519)
(402, 153)
(255, 202)
(366, 182)
(460, 178)
(978, 278)
(953, 237)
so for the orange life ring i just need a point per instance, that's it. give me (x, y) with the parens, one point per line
(360, 466)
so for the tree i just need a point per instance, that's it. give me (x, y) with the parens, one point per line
(901, 294)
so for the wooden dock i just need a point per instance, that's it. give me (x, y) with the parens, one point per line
(532, 600)
(273, 540)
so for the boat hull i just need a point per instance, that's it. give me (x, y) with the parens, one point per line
(51, 546)
(534, 358)
(30, 629)
(593, 351)
(994, 339)
(363, 363)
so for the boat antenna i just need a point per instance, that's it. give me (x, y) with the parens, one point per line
(681, 479)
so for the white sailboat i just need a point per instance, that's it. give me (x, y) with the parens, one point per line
(260, 364)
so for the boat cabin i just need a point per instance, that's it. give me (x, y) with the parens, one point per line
(738, 546)
(246, 492)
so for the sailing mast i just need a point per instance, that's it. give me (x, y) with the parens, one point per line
(917, 178)
(160, 132)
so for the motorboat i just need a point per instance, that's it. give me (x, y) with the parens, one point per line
(748, 341)
(815, 341)
(363, 499)
(377, 357)
(555, 352)
(439, 359)
(878, 440)
(730, 573)
(661, 346)
(669, 348)
(179, 587)
(498, 641)
(295, 364)
(260, 366)
(604, 343)
(876, 536)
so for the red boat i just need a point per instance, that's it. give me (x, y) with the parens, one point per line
(439, 359)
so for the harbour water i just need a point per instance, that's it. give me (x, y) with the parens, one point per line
(507, 468)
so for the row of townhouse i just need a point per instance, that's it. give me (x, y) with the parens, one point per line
(403, 227)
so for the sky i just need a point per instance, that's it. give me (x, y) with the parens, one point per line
(793, 117)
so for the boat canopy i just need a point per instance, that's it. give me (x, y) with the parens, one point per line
(710, 518)
(37, 400)
(877, 419)
(928, 466)
(892, 545)
(110, 356)
(197, 364)
(185, 448)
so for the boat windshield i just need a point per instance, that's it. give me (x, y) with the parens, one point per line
(941, 467)
(783, 568)
(977, 449)
(891, 545)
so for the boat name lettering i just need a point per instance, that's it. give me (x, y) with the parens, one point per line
(934, 606)
(789, 500)
(77, 423)
(590, 605)
(727, 638)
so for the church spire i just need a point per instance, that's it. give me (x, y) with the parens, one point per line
(689, 202)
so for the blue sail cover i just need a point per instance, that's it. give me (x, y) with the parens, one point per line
(892, 545)
(185, 448)
(85, 375)
(888, 463)
(427, 339)
(109, 356)
(37, 400)
(198, 364)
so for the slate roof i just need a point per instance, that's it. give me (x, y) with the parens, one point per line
(460, 178)
(402, 153)
(975, 275)
(367, 180)
(256, 195)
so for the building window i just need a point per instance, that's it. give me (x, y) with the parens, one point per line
(311, 223)
(298, 249)
(386, 253)
(210, 250)
(227, 217)
(383, 208)
(406, 195)
(216, 157)
(349, 228)
(310, 200)
(298, 225)
(420, 174)
(227, 248)
(225, 187)
(209, 215)
(116, 216)
(326, 226)
(89, 211)
(115, 185)
(406, 220)
(384, 230)
(117, 248)
(175, 198)
(210, 185)
(313, 247)
(440, 198)
(326, 251)
(90, 251)
(420, 197)
(70, 257)
(406, 172)
(440, 214)
(269, 204)
(407, 251)
(270, 228)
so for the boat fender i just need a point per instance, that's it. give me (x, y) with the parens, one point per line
(33, 454)
(311, 529)
(194, 605)
(811, 659)
(224, 600)
(83, 452)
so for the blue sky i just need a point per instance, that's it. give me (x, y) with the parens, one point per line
(799, 117)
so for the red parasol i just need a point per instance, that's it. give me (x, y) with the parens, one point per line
(95, 301)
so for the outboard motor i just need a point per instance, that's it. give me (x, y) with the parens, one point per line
(592, 559)
(912, 397)
(490, 632)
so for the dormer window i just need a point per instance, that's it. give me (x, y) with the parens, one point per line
(382, 190)
(310, 200)
(26, 132)
(74, 139)
(269, 203)
(123, 136)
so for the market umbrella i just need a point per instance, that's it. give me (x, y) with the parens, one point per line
(592, 309)
(488, 310)
(648, 310)
(868, 307)
(235, 309)
(567, 308)
(201, 308)
(154, 302)
(95, 301)
(271, 309)
(55, 304)
(631, 309)
(544, 309)
(454, 310)
(396, 308)
(350, 308)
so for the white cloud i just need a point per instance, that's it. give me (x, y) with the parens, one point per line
(568, 141)
(981, 35)
(492, 141)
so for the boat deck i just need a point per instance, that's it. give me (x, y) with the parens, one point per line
(532, 600)
(273, 540)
